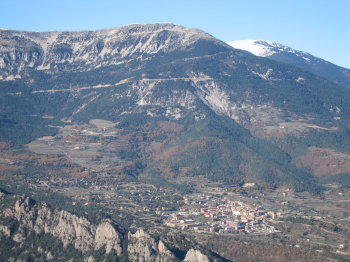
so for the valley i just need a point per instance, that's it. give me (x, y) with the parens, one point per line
(164, 143)
(298, 220)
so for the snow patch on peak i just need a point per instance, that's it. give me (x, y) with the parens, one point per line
(266, 48)
(256, 47)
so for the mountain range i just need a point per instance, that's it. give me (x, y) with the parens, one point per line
(186, 103)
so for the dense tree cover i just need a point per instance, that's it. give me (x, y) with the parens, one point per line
(343, 180)
(221, 150)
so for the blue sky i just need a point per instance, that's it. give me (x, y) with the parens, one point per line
(320, 27)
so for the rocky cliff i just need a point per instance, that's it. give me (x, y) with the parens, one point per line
(37, 231)
(70, 229)
(21, 51)
(142, 247)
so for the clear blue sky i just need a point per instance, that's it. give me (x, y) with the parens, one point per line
(320, 27)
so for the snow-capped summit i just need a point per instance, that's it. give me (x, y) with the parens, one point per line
(286, 54)
(266, 48)
(256, 47)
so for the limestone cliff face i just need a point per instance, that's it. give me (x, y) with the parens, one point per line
(195, 256)
(86, 50)
(67, 227)
(106, 235)
(143, 248)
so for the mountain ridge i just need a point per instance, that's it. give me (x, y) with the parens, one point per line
(301, 59)
(51, 50)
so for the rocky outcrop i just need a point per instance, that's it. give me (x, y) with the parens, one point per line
(67, 227)
(143, 248)
(195, 256)
(107, 236)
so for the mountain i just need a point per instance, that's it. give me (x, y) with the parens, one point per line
(86, 50)
(178, 102)
(145, 142)
(306, 61)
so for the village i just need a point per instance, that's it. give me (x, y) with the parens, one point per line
(209, 213)
(207, 210)
(200, 212)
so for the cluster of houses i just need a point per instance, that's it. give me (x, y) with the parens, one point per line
(210, 214)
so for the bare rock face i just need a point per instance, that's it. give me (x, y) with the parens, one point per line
(195, 256)
(107, 236)
(81, 50)
(72, 229)
(67, 227)
(4, 230)
(143, 248)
